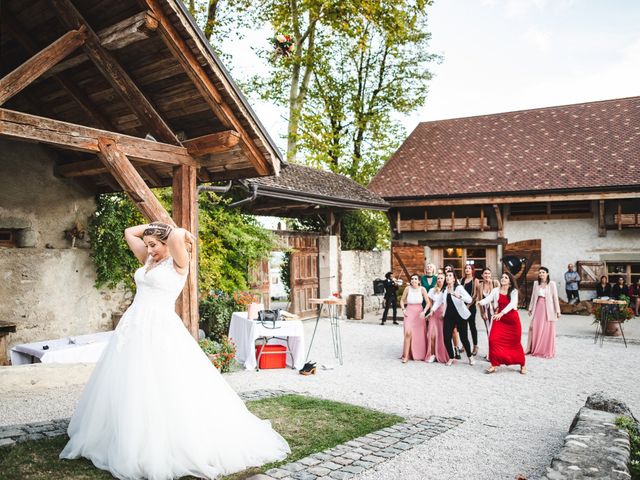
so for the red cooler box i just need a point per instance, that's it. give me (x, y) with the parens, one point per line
(274, 356)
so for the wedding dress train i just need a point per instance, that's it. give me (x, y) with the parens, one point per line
(155, 407)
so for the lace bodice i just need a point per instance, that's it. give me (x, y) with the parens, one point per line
(158, 285)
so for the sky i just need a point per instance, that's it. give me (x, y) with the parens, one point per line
(506, 55)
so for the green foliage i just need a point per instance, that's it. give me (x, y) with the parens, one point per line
(364, 230)
(285, 272)
(221, 353)
(215, 314)
(114, 261)
(633, 429)
(228, 242)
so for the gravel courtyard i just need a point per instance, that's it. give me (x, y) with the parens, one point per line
(513, 423)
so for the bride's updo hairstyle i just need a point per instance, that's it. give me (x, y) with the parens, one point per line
(158, 230)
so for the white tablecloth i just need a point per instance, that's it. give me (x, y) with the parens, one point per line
(74, 349)
(244, 334)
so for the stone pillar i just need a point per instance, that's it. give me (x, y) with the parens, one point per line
(328, 265)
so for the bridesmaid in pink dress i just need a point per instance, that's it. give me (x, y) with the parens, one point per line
(415, 327)
(544, 310)
(435, 337)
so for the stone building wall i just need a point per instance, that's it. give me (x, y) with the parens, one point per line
(359, 269)
(47, 287)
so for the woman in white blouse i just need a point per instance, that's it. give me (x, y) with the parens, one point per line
(544, 310)
(505, 347)
(455, 314)
(415, 325)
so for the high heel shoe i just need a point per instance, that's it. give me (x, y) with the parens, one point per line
(308, 369)
(456, 353)
(475, 351)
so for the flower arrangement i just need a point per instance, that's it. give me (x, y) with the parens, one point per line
(220, 353)
(283, 44)
(621, 314)
(245, 298)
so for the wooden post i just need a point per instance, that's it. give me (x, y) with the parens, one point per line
(184, 213)
(619, 216)
(32, 69)
(398, 221)
(426, 220)
(496, 209)
(453, 220)
(602, 229)
(481, 219)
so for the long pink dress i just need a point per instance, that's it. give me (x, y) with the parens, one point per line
(542, 334)
(436, 324)
(415, 322)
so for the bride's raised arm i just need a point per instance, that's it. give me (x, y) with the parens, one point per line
(133, 237)
(180, 243)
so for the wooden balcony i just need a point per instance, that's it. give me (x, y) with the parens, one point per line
(626, 220)
(444, 224)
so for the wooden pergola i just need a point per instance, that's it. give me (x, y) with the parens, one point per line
(131, 96)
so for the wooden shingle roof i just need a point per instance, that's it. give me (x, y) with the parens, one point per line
(582, 147)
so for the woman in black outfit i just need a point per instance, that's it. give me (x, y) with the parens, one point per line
(603, 289)
(619, 288)
(470, 283)
(455, 315)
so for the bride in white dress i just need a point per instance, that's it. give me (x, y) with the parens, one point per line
(155, 407)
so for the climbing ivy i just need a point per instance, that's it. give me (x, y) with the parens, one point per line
(228, 242)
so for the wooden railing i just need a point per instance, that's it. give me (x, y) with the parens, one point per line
(443, 224)
(627, 220)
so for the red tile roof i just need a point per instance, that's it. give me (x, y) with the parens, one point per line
(586, 146)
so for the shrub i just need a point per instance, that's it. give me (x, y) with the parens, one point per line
(215, 314)
(221, 353)
(633, 429)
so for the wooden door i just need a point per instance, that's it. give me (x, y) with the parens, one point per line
(530, 251)
(406, 259)
(590, 273)
(303, 274)
(259, 281)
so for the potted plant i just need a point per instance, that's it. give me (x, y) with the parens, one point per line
(220, 353)
(614, 316)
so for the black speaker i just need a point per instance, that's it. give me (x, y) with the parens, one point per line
(378, 287)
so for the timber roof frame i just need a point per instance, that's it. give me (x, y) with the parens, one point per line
(168, 70)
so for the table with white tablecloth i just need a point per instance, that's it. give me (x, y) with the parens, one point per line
(244, 333)
(74, 349)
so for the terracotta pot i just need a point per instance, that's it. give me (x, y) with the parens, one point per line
(613, 328)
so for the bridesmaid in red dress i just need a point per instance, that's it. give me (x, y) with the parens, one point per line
(505, 347)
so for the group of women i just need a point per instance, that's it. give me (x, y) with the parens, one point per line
(440, 309)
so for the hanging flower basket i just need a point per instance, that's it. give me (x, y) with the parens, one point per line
(283, 45)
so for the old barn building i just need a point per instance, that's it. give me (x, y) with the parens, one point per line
(97, 97)
(551, 186)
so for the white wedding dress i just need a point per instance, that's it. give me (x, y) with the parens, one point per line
(155, 407)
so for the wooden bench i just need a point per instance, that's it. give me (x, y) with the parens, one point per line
(5, 329)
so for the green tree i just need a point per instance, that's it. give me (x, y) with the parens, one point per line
(228, 242)
(364, 230)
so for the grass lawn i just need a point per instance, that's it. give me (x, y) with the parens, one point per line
(309, 425)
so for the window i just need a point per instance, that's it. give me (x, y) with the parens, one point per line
(459, 257)
(8, 238)
(629, 270)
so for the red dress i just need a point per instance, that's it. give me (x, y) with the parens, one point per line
(505, 347)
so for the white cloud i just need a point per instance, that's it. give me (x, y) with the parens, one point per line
(539, 39)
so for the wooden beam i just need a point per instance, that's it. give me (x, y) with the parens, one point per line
(602, 228)
(184, 213)
(115, 74)
(131, 182)
(496, 199)
(481, 219)
(207, 89)
(29, 71)
(11, 23)
(130, 30)
(23, 126)
(212, 143)
(496, 208)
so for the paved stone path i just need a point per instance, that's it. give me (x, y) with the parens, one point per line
(337, 463)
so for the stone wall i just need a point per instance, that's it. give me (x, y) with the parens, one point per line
(594, 446)
(46, 286)
(358, 269)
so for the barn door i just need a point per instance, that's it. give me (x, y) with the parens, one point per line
(406, 259)
(303, 274)
(590, 273)
(259, 282)
(530, 250)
